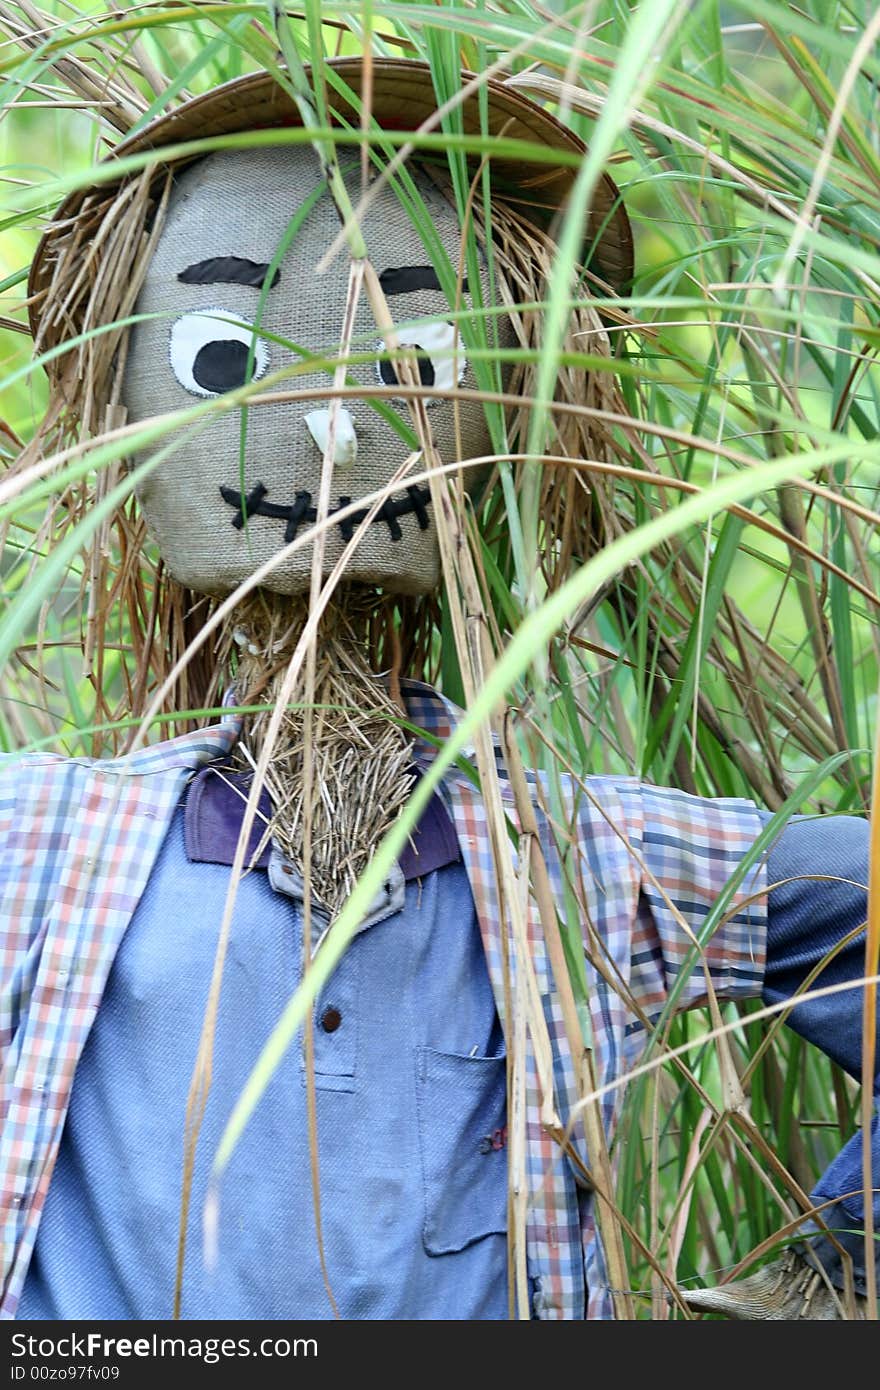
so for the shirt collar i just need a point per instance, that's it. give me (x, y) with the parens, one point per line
(216, 797)
(214, 811)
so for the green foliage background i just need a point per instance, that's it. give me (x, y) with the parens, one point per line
(745, 141)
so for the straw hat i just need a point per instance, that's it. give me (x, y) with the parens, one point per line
(401, 98)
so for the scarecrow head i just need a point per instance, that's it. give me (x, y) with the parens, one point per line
(228, 305)
(221, 260)
(206, 280)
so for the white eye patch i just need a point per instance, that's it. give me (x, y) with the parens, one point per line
(209, 351)
(435, 344)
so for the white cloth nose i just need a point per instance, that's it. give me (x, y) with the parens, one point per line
(317, 423)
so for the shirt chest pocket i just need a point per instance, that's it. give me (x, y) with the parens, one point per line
(462, 1119)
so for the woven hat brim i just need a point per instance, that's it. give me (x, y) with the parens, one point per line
(401, 98)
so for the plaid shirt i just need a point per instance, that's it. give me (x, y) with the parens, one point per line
(79, 840)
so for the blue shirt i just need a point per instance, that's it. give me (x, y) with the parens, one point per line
(410, 1099)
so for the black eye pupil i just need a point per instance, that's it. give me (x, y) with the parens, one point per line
(221, 365)
(426, 372)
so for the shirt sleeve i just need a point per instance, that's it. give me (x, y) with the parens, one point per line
(693, 868)
(25, 868)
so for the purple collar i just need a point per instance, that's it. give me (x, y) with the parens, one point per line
(215, 804)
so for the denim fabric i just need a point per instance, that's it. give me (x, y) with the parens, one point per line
(411, 1111)
(806, 920)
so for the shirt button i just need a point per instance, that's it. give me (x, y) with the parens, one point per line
(330, 1020)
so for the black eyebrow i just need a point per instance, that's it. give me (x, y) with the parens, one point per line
(409, 278)
(228, 270)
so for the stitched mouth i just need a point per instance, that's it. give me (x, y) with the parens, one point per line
(301, 512)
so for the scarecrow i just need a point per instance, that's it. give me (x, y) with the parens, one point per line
(430, 1147)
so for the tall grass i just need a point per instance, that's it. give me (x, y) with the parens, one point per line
(725, 638)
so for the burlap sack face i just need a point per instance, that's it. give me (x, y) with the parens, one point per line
(239, 204)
